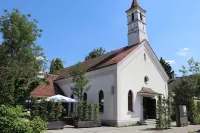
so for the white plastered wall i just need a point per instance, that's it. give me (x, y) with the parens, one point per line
(102, 79)
(130, 76)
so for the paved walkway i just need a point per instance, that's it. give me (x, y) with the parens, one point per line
(138, 129)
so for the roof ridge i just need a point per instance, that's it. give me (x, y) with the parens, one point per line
(107, 59)
(119, 51)
(98, 56)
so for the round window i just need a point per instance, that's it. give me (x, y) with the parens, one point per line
(146, 79)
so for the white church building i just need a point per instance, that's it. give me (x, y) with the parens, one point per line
(125, 82)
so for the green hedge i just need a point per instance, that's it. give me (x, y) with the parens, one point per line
(47, 110)
(193, 113)
(87, 111)
(163, 111)
(13, 120)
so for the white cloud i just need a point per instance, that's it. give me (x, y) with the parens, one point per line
(186, 49)
(40, 58)
(183, 52)
(171, 62)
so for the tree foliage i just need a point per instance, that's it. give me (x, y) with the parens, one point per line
(188, 86)
(12, 120)
(56, 65)
(183, 92)
(167, 68)
(52, 67)
(47, 110)
(20, 58)
(80, 81)
(95, 53)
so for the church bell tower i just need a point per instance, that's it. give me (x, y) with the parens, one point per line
(136, 24)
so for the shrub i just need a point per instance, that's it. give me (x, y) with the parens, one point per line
(163, 120)
(96, 111)
(43, 112)
(169, 112)
(35, 109)
(47, 110)
(58, 110)
(90, 111)
(80, 111)
(159, 111)
(85, 111)
(38, 125)
(193, 113)
(12, 120)
(50, 110)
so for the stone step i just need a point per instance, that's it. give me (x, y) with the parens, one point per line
(149, 122)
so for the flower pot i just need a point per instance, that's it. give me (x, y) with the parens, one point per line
(55, 125)
(87, 124)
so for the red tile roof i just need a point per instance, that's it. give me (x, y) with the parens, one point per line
(105, 60)
(44, 90)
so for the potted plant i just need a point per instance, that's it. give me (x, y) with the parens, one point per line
(88, 115)
(49, 111)
(54, 113)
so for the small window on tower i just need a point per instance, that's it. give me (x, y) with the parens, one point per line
(133, 17)
(141, 16)
(146, 79)
(145, 57)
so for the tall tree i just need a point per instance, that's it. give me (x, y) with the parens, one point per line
(20, 58)
(52, 67)
(167, 68)
(59, 64)
(95, 53)
(56, 65)
(189, 86)
(80, 81)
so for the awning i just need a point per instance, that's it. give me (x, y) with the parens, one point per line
(148, 91)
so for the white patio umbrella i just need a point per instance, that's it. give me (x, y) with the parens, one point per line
(62, 99)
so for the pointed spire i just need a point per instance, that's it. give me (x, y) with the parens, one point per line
(135, 3)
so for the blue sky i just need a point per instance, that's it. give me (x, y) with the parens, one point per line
(72, 28)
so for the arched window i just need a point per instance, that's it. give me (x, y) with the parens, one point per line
(101, 101)
(133, 17)
(146, 79)
(72, 104)
(145, 57)
(141, 17)
(130, 101)
(85, 96)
